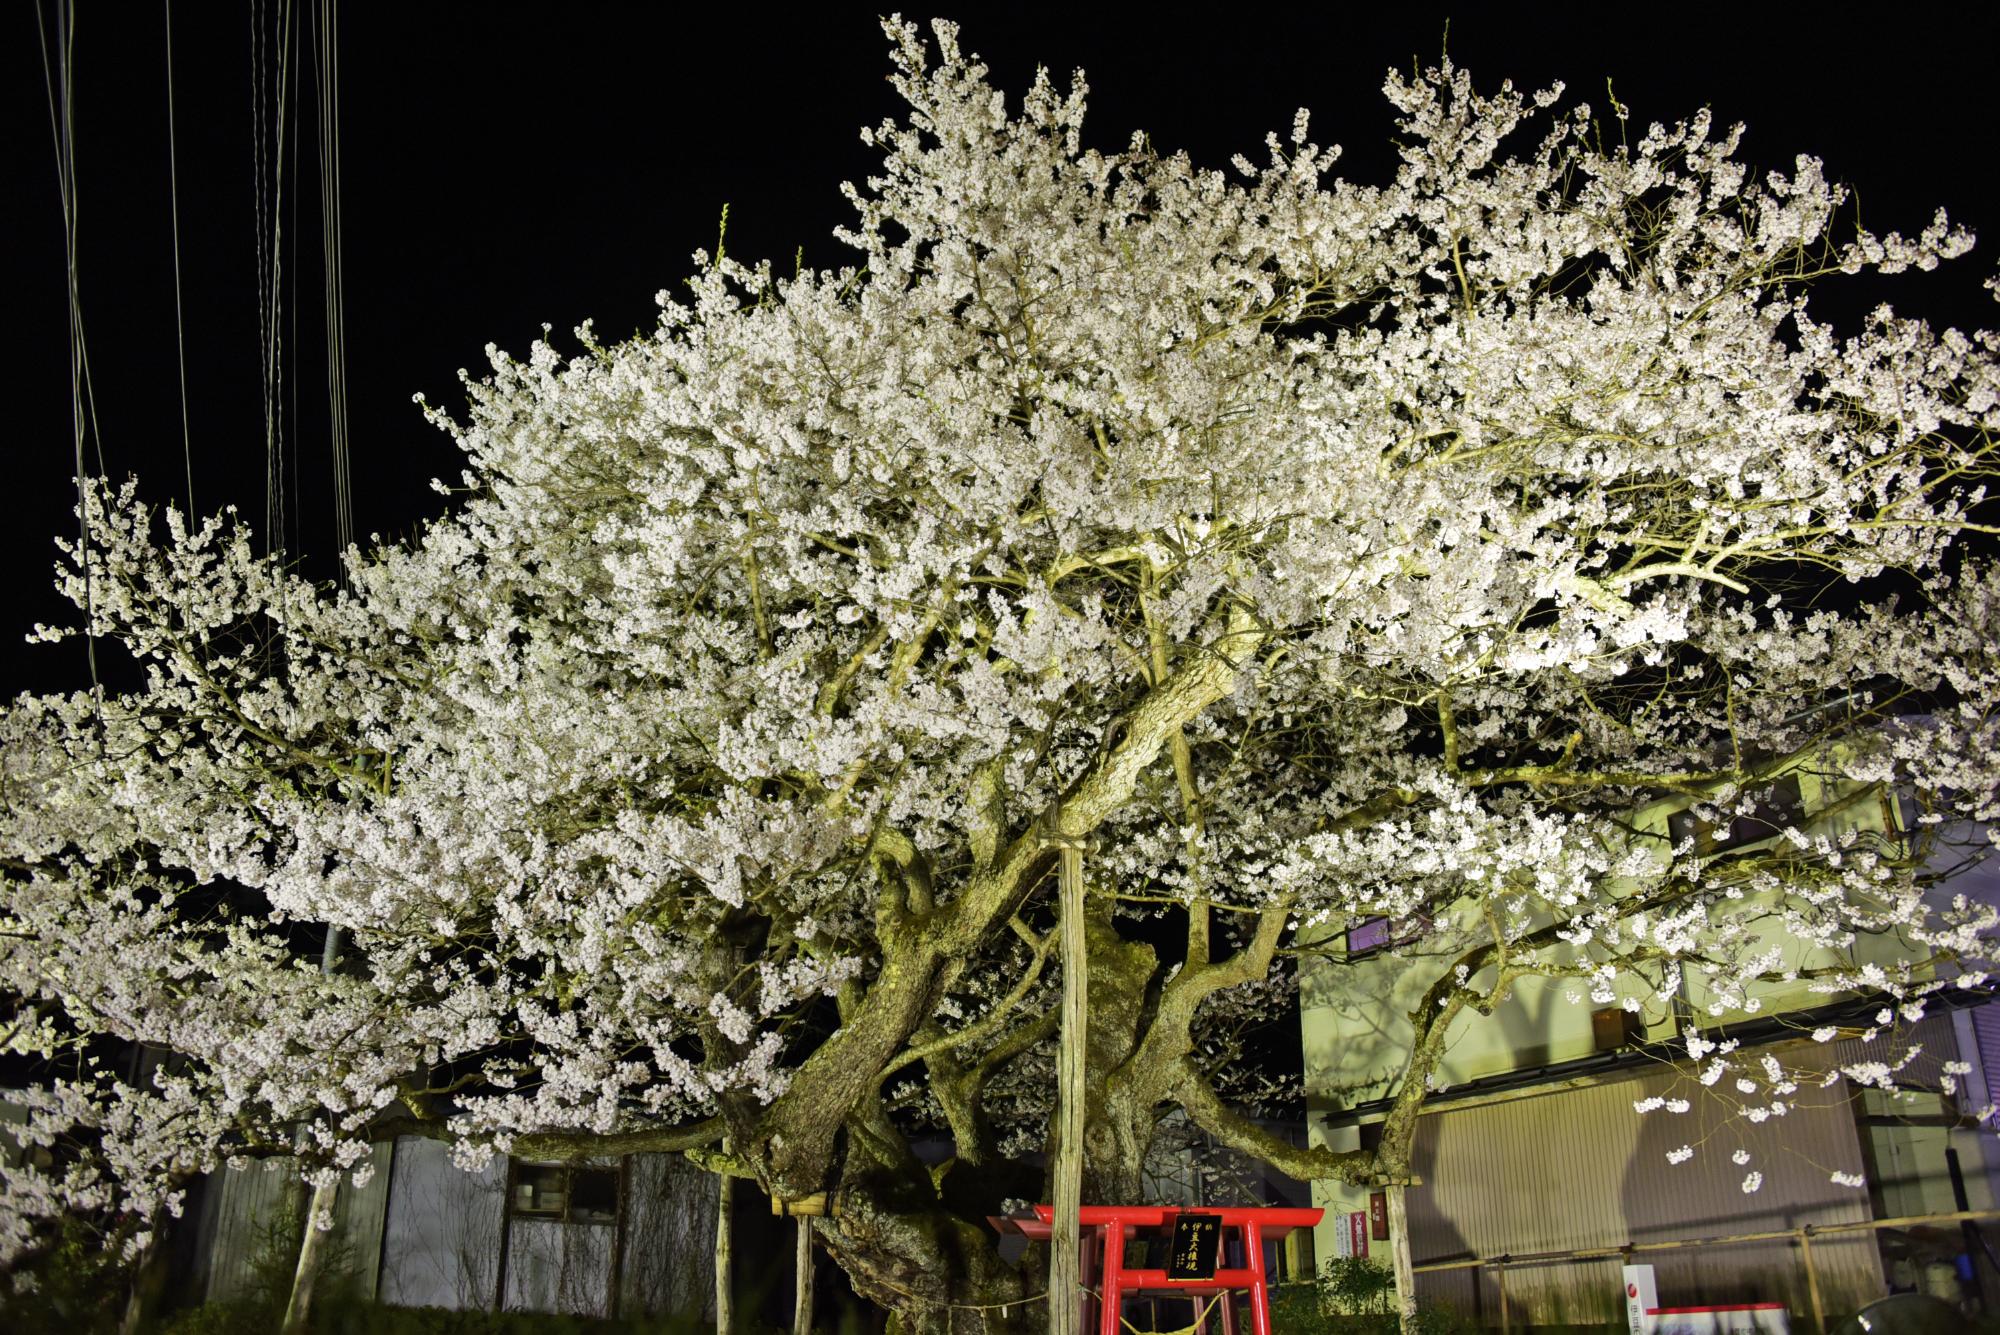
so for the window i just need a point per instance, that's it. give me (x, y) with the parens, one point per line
(593, 1196)
(1366, 935)
(1778, 805)
(1372, 934)
(565, 1194)
(1614, 1027)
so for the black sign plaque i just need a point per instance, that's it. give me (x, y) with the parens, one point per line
(1197, 1239)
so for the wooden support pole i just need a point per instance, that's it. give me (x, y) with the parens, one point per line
(312, 1257)
(802, 1269)
(1065, 1290)
(319, 1212)
(1399, 1253)
(1812, 1280)
(725, 1200)
(1500, 1275)
(1967, 1230)
(137, 1299)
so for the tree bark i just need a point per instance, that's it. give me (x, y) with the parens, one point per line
(312, 1257)
(936, 1270)
(934, 1264)
(794, 1138)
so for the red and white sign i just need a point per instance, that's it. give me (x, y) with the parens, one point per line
(1640, 1299)
(1357, 1233)
(1739, 1319)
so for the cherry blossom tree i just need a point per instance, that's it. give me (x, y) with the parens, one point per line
(1302, 549)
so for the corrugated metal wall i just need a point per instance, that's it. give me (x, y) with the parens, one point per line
(1578, 1168)
(254, 1225)
(1986, 1033)
(1933, 1034)
(360, 1216)
(250, 1203)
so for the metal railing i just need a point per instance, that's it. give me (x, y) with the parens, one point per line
(1803, 1236)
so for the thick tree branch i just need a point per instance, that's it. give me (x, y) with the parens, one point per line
(799, 1127)
(567, 1145)
(986, 1024)
(1211, 1114)
(592, 1144)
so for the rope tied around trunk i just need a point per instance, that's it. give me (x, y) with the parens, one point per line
(958, 1307)
(1194, 1329)
(1200, 1318)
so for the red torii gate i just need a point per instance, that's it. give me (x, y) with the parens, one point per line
(1105, 1246)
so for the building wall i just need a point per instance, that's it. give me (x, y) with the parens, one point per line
(1909, 1131)
(441, 1239)
(359, 1217)
(11, 1114)
(556, 1267)
(1355, 1012)
(1578, 1168)
(251, 1214)
(667, 1264)
(1566, 1167)
(1976, 1034)
(1571, 1167)
(1838, 809)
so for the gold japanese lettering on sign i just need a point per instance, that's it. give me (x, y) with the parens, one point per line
(1197, 1239)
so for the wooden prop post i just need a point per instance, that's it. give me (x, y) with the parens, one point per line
(1812, 1281)
(725, 1200)
(312, 1257)
(802, 1299)
(1065, 1288)
(319, 1209)
(1399, 1256)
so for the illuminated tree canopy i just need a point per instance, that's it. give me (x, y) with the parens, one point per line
(1313, 549)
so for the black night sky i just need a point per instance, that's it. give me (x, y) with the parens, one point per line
(505, 165)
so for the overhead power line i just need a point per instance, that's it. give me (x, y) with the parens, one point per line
(59, 75)
(268, 160)
(174, 195)
(326, 68)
